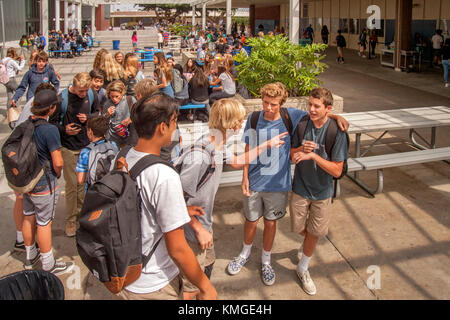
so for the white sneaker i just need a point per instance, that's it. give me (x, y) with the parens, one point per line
(447, 85)
(306, 282)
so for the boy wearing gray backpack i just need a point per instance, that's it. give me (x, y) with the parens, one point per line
(95, 160)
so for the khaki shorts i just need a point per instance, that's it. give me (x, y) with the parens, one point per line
(204, 258)
(312, 216)
(173, 291)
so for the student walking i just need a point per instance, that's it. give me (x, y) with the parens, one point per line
(164, 211)
(40, 72)
(207, 155)
(340, 45)
(310, 205)
(446, 60)
(13, 65)
(266, 183)
(134, 40)
(324, 33)
(39, 205)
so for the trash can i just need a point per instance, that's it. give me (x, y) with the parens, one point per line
(116, 44)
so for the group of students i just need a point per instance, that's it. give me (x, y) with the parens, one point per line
(197, 82)
(178, 207)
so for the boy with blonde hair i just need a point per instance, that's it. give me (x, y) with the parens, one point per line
(77, 104)
(266, 182)
(200, 168)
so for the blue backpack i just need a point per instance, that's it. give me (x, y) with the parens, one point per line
(65, 102)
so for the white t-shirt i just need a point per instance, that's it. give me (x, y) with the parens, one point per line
(163, 210)
(227, 83)
(160, 38)
(437, 41)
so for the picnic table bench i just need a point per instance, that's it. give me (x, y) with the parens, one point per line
(362, 122)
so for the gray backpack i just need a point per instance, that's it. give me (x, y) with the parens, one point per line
(100, 159)
(177, 82)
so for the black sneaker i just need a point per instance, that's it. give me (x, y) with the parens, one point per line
(61, 267)
(19, 246)
(30, 264)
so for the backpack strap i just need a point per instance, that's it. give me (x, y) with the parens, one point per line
(146, 259)
(65, 102)
(301, 128)
(146, 162)
(330, 137)
(284, 116)
(254, 119)
(130, 102)
(209, 170)
(286, 119)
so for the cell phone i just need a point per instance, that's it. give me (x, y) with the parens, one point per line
(77, 125)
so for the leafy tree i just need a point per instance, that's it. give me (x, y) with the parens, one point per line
(274, 58)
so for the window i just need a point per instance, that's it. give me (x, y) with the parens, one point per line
(334, 25)
(305, 10)
(354, 26)
(343, 25)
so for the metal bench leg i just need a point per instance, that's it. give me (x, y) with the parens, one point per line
(431, 144)
(365, 187)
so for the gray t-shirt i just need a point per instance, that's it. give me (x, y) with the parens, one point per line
(122, 112)
(194, 166)
(310, 181)
(227, 83)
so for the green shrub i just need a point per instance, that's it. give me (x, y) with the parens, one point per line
(274, 58)
(180, 30)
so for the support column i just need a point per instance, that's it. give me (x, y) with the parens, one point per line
(294, 21)
(79, 17)
(204, 16)
(193, 15)
(252, 19)
(2, 8)
(403, 29)
(66, 17)
(228, 12)
(44, 20)
(93, 29)
(73, 12)
(57, 10)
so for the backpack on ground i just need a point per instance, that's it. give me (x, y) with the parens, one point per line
(4, 77)
(101, 156)
(184, 156)
(330, 139)
(109, 240)
(284, 116)
(23, 168)
(65, 102)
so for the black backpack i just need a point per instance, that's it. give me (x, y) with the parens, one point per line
(330, 139)
(23, 168)
(109, 239)
(284, 116)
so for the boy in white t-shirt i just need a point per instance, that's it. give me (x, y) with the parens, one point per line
(164, 211)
